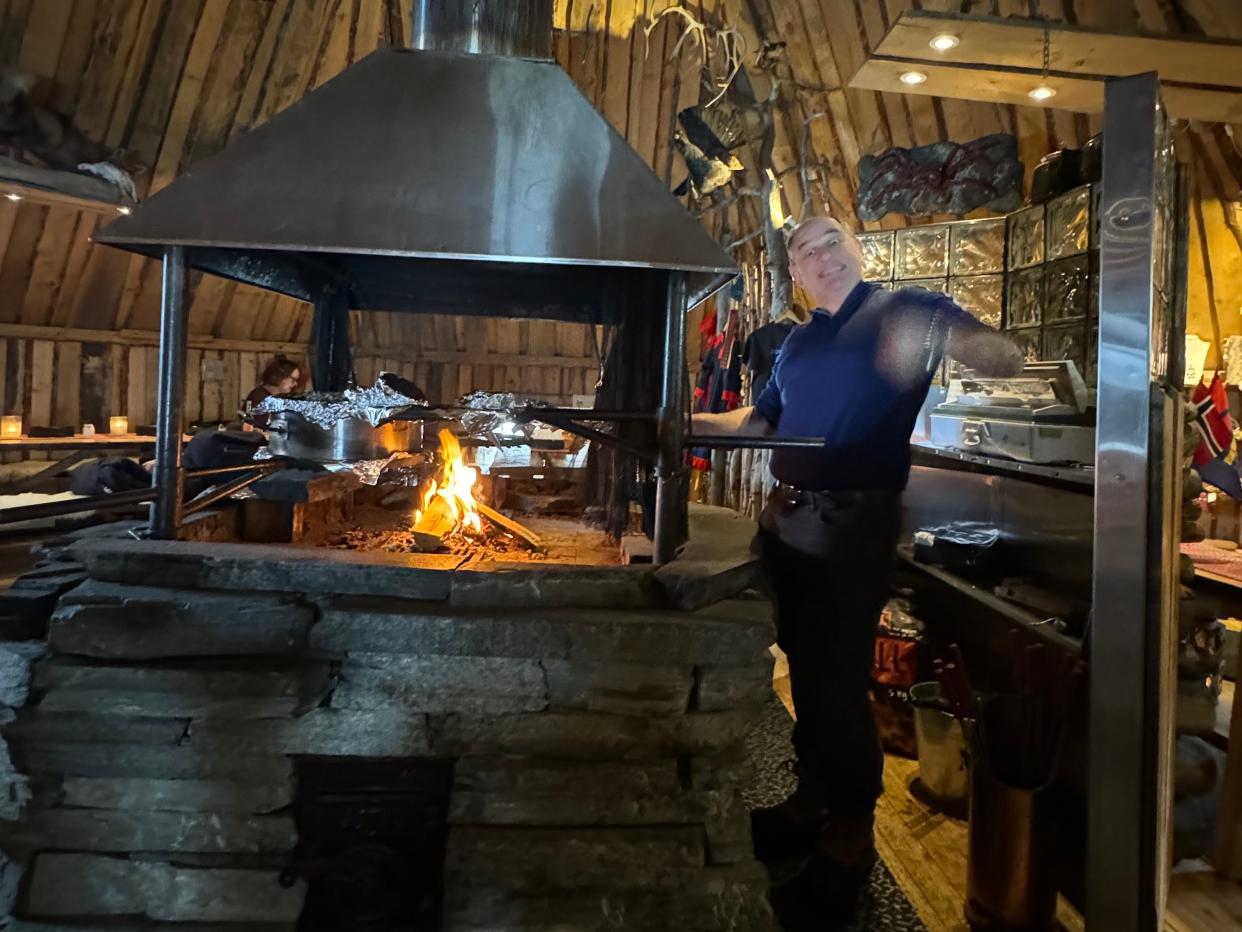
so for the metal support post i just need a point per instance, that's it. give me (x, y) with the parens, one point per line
(332, 365)
(168, 476)
(672, 424)
(1133, 633)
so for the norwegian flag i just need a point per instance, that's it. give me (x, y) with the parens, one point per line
(1215, 459)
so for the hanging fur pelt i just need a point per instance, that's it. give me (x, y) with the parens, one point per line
(37, 135)
(941, 178)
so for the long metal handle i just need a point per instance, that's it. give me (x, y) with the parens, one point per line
(113, 501)
(721, 442)
(211, 496)
(265, 466)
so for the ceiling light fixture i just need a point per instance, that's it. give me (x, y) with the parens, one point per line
(944, 42)
(1042, 91)
(13, 197)
(913, 77)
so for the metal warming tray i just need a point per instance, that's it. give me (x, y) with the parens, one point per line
(1040, 416)
(349, 440)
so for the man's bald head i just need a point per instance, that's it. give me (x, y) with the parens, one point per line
(825, 259)
(806, 228)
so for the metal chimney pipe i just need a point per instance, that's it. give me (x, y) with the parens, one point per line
(516, 28)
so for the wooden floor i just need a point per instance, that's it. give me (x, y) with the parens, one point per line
(1201, 901)
(926, 852)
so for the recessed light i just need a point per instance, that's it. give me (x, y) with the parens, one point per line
(1043, 92)
(944, 42)
(124, 210)
(13, 197)
(913, 77)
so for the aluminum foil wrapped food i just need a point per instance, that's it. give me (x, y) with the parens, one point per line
(374, 405)
(398, 469)
(491, 414)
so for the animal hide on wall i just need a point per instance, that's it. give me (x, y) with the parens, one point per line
(942, 178)
(36, 135)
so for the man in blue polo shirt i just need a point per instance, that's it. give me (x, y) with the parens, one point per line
(856, 375)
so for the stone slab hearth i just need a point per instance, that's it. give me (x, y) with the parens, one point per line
(591, 720)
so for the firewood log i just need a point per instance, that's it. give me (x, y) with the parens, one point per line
(432, 526)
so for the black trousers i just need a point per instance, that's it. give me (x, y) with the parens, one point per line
(829, 559)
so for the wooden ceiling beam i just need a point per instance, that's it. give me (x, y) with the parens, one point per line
(1012, 86)
(1073, 50)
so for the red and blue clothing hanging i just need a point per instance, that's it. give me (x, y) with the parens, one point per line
(719, 387)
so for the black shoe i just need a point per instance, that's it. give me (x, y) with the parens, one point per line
(789, 830)
(783, 833)
(824, 895)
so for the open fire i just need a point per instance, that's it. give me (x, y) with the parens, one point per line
(450, 517)
(447, 504)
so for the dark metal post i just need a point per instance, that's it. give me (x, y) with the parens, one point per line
(170, 409)
(332, 363)
(672, 426)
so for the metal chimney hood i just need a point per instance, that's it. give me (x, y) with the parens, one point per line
(434, 180)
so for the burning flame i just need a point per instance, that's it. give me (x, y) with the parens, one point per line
(453, 487)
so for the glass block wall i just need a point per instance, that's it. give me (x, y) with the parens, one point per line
(1033, 274)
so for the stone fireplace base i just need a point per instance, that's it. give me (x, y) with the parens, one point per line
(592, 720)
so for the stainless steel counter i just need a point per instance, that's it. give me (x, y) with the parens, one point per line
(929, 455)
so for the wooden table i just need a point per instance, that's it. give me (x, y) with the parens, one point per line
(72, 450)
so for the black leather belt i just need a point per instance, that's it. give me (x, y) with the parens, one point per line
(838, 498)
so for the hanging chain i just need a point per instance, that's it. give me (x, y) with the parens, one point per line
(1047, 49)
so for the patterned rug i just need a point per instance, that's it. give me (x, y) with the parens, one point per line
(884, 907)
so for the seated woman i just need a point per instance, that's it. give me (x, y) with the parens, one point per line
(279, 377)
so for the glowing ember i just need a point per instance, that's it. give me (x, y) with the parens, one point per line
(451, 490)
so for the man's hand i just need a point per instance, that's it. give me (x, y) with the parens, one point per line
(987, 352)
(743, 422)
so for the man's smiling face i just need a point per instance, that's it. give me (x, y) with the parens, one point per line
(826, 260)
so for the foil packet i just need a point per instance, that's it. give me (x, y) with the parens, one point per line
(490, 414)
(375, 404)
(397, 469)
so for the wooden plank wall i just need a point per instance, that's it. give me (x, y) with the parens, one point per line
(56, 382)
(449, 356)
(68, 383)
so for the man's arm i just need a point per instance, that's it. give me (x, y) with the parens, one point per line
(987, 352)
(744, 422)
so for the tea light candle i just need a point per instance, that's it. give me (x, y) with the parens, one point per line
(118, 425)
(11, 425)
(88, 430)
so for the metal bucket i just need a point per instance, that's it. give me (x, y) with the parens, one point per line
(348, 440)
(942, 747)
